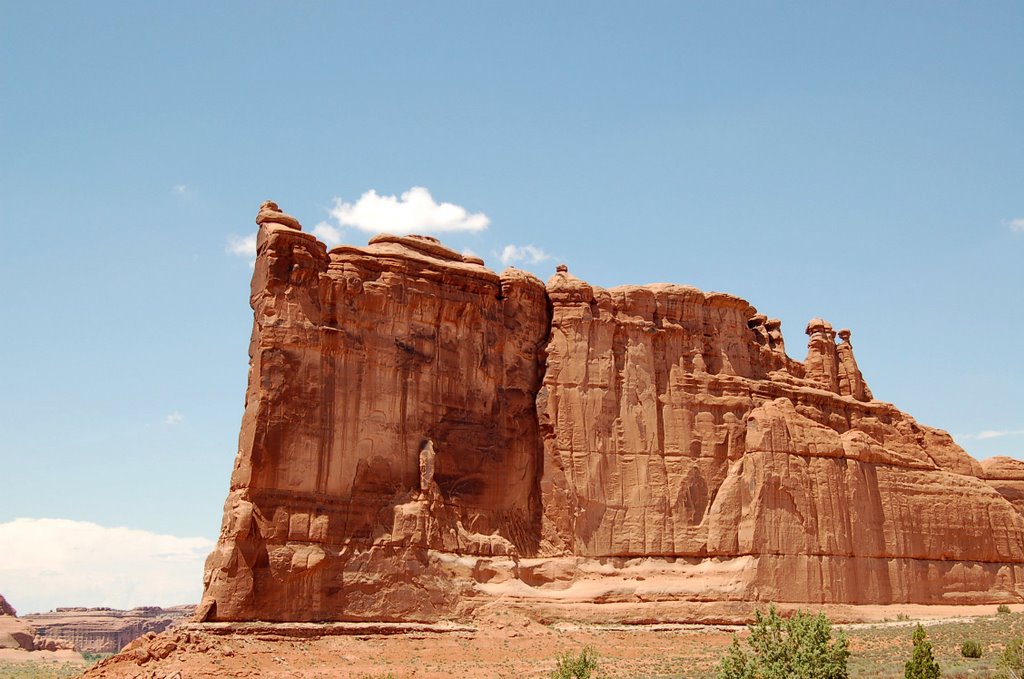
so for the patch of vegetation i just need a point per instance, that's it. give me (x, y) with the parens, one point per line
(970, 649)
(902, 617)
(922, 663)
(39, 670)
(801, 646)
(580, 666)
(1003, 608)
(1012, 661)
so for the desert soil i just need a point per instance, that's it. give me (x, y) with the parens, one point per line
(510, 645)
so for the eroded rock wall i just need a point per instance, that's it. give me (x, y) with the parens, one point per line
(104, 630)
(422, 436)
(368, 364)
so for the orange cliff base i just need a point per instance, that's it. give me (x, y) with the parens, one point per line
(423, 437)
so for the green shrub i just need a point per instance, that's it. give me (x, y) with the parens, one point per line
(970, 649)
(1003, 608)
(580, 666)
(1012, 660)
(801, 646)
(922, 663)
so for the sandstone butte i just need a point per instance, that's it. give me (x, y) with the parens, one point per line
(423, 437)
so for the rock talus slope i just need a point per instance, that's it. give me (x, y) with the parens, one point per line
(423, 436)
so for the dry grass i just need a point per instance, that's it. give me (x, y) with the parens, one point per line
(880, 651)
(40, 669)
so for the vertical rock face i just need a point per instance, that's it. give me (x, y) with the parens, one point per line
(102, 630)
(422, 434)
(1006, 476)
(390, 411)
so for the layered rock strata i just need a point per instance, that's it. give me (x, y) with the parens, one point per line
(106, 630)
(422, 436)
(1006, 476)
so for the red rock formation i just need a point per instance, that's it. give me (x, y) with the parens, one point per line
(6, 608)
(102, 630)
(851, 382)
(1006, 476)
(18, 634)
(15, 633)
(422, 435)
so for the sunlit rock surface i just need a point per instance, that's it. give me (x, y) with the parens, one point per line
(423, 436)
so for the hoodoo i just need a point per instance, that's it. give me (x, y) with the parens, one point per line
(423, 436)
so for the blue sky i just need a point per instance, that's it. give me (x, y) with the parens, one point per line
(863, 162)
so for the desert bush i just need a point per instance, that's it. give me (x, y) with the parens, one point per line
(1003, 608)
(902, 617)
(1012, 661)
(580, 666)
(970, 649)
(922, 663)
(801, 646)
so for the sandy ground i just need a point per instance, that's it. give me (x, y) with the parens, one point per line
(17, 656)
(519, 648)
(508, 644)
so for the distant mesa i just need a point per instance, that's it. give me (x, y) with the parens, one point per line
(107, 630)
(424, 436)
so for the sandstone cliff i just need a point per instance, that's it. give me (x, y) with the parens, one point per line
(422, 435)
(105, 630)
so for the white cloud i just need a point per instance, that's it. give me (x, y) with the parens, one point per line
(180, 189)
(330, 235)
(999, 433)
(527, 254)
(1016, 225)
(990, 434)
(174, 418)
(243, 246)
(415, 211)
(58, 562)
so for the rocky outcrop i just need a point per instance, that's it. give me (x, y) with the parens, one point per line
(1006, 476)
(18, 634)
(6, 608)
(103, 630)
(423, 435)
